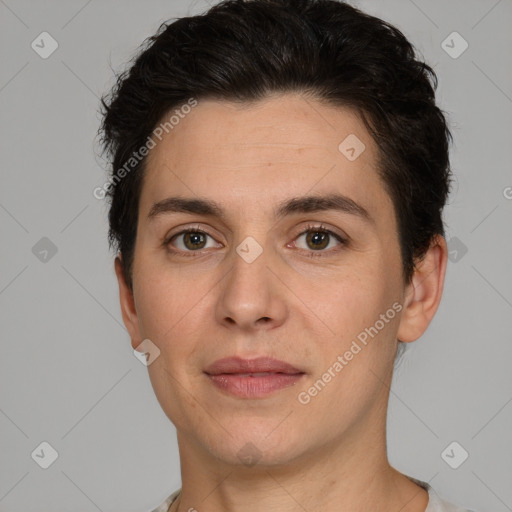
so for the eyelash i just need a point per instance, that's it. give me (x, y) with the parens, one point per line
(310, 253)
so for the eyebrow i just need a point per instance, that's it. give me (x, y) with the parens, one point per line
(295, 205)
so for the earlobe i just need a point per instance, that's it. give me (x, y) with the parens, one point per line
(424, 293)
(127, 304)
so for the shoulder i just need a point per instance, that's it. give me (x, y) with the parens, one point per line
(164, 507)
(435, 502)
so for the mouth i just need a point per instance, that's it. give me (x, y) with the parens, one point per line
(254, 385)
(260, 374)
(252, 378)
(260, 365)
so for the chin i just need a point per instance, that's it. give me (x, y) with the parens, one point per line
(260, 444)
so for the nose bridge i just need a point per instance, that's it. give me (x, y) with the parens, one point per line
(250, 291)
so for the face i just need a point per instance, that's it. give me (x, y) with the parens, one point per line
(319, 287)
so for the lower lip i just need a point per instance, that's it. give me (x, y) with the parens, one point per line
(254, 387)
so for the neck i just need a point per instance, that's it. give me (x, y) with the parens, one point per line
(351, 474)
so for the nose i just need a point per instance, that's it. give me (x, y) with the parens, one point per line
(252, 297)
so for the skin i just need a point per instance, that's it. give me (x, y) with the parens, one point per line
(330, 454)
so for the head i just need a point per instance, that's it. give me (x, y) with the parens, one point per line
(302, 133)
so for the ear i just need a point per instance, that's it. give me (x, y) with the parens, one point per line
(127, 303)
(423, 293)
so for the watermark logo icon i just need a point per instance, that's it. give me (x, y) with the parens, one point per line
(249, 249)
(44, 250)
(249, 454)
(456, 249)
(454, 45)
(44, 455)
(44, 45)
(454, 455)
(146, 352)
(351, 147)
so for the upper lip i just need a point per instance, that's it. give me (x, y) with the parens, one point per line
(258, 365)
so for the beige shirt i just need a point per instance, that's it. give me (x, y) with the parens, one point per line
(435, 503)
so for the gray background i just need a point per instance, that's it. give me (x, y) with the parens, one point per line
(68, 375)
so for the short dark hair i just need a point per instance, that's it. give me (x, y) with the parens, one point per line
(244, 51)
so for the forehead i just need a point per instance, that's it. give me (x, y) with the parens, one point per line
(281, 124)
(256, 153)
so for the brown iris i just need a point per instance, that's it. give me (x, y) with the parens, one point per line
(320, 239)
(196, 240)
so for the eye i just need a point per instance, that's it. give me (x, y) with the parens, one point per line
(319, 240)
(190, 240)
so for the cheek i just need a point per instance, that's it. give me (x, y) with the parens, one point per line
(355, 360)
(351, 308)
(159, 309)
(349, 301)
(173, 310)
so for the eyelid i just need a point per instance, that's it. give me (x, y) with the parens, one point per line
(312, 226)
(196, 228)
